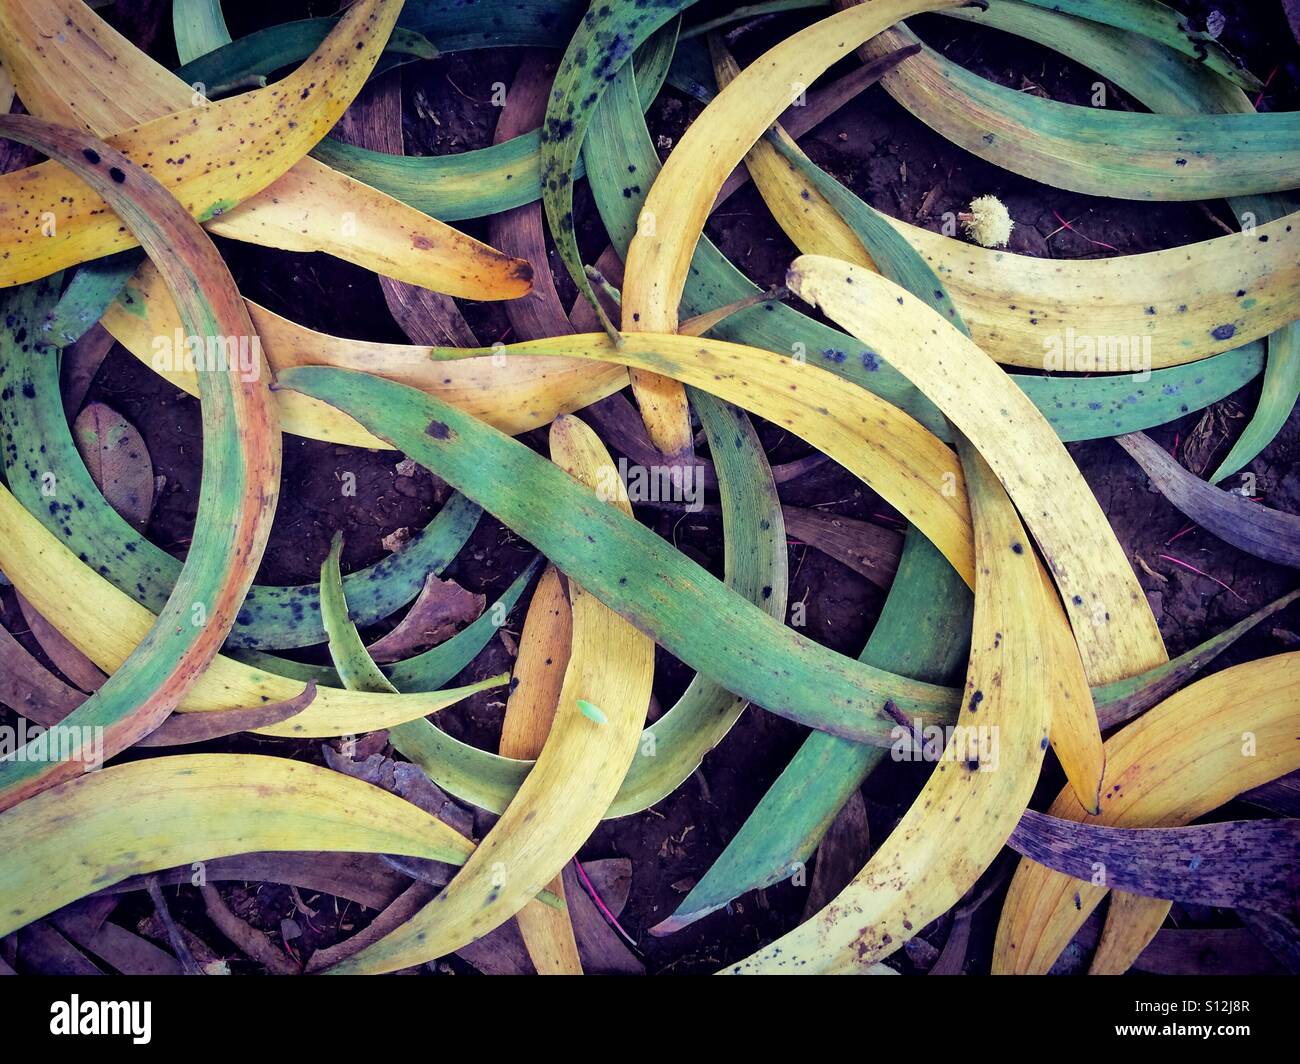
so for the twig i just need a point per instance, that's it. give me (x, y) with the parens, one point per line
(1262, 92)
(1070, 227)
(1217, 220)
(250, 941)
(702, 323)
(1201, 572)
(590, 887)
(750, 12)
(179, 946)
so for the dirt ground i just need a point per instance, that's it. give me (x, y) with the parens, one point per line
(896, 164)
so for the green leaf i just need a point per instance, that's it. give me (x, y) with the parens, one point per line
(1077, 408)
(626, 566)
(608, 35)
(37, 442)
(241, 462)
(591, 712)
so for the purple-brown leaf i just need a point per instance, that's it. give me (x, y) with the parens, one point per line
(1250, 864)
(118, 461)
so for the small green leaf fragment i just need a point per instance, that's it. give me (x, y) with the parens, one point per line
(592, 712)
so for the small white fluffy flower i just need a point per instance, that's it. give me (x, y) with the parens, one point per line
(987, 222)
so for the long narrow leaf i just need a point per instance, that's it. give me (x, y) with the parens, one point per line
(1269, 534)
(241, 462)
(627, 566)
(1240, 865)
(65, 844)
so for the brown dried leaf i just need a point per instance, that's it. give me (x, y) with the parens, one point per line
(118, 461)
(442, 608)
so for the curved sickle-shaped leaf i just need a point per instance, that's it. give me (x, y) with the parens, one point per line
(606, 38)
(351, 659)
(182, 729)
(72, 67)
(538, 682)
(1152, 71)
(1269, 534)
(1123, 154)
(1280, 391)
(1192, 753)
(544, 645)
(1240, 865)
(107, 626)
(985, 778)
(479, 182)
(1165, 308)
(90, 833)
(1170, 307)
(1161, 24)
(627, 566)
(241, 462)
(34, 692)
(1114, 626)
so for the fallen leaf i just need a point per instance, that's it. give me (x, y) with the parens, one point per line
(118, 460)
(441, 610)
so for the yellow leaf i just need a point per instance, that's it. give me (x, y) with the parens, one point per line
(1189, 755)
(978, 789)
(576, 776)
(72, 67)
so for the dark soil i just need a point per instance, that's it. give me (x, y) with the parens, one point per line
(899, 166)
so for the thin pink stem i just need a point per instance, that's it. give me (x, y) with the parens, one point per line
(600, 904)
(1070, 226)
(1200, 572)
(1260, 98)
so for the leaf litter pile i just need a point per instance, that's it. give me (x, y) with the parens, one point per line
(790, 466)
